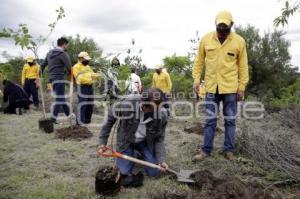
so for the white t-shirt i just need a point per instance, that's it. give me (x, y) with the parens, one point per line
(134, 83)
(140, 133)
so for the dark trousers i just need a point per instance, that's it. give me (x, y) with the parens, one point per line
(31, 89)
(60, 100)
(21, 104)
(126, 166)
(229, 111)
(85, 104)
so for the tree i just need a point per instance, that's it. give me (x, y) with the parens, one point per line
(194, 46)
(178, 64)
(77, 44)
(180, 69)
(134, 59)
(286, 12)
(269, 61)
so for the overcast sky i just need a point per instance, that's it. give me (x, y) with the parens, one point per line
(160, 27)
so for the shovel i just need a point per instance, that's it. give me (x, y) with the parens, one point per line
(182, 175)
(45, 124)
(72, 117)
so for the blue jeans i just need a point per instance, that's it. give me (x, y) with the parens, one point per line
(229, 111)
(60, 100)
(126, 167)
(85, 95)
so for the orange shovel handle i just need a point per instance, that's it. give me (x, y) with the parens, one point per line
(109, 152)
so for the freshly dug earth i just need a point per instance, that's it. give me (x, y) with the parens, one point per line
(230, 187)
(106, 181)
(173, 194)
(198, 129)
(74, 132)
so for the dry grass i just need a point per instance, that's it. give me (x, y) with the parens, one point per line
(38, 165)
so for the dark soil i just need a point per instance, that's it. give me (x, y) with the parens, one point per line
(230, 187)
(198, 129)
(74, 132)
(173, 194)
(106, 181)
(46, 125)
(210, 187)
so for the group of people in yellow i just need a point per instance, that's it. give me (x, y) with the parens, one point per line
(222, 52)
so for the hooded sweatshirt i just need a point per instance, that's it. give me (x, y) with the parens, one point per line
(57, 60)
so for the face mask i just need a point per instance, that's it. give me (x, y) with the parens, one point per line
(30, 63)
(85, 62)
(148, 114)
(222, 31)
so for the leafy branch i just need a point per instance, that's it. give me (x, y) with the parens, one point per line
(286, 13)
(25, 40)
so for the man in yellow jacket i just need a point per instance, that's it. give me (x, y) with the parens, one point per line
(161, 80)
(30, 79)
(84, 77)
(226, 75)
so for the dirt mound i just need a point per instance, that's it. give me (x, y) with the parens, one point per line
(74, 132)
(198, 128)
(106, 181)
(173, 194)
(230, 187)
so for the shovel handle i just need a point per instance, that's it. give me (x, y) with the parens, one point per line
(111, 153)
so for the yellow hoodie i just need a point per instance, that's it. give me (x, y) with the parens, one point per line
(30, 72)
(84, 75)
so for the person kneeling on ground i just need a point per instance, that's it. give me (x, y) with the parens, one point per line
(16, 98)
(142, 125)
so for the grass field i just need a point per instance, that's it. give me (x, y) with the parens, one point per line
(38, 165)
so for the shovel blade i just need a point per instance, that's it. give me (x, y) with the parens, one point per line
(184, 176)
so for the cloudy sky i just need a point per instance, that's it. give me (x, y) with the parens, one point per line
(160, 27)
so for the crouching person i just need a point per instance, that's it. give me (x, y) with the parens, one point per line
(16, 97)
(141, 130)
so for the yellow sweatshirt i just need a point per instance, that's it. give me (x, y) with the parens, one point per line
(84, 75)
(30, 72)
(162, 81)
(226, 65)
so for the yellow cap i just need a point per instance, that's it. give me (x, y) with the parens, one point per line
(224, 17)
(30, 59)
(158, 66)
(84, 55)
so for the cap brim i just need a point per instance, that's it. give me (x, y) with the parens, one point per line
(87, 58)
(225, 21)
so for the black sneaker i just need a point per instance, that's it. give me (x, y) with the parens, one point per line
(132, 181)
